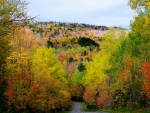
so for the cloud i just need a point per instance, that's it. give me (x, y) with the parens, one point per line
(82, 11)
(75, 6)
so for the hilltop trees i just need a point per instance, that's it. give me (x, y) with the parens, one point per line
(64, 30)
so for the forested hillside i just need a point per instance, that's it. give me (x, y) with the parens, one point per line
(60, 29)
(46, 65)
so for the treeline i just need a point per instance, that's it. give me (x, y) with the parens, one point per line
(73, 42)
(59, 30)
(70, 25)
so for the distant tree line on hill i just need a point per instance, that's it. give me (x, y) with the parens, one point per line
(60, 29)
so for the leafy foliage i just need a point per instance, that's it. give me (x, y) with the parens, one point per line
(12, 16)
(86, 42)
(146, 85)
(51, 84)
(81, 67)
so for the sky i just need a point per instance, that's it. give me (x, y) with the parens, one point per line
(94, 12)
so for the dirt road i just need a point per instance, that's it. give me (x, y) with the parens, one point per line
(77, 106)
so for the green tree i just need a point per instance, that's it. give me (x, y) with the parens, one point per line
(81, 67)
(138, 5)
(125, 76)
(141, 22)
(70, 59)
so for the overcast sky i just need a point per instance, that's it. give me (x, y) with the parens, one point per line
(95, 12)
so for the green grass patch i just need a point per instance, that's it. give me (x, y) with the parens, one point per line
(86, 108)
(62, 111)
(142, 110)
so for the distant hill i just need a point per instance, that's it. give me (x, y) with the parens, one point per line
(62, 29)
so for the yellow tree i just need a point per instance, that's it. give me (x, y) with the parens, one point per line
(96, 79)
(142, 21)
(19, 80)
(50, 79)
(12, 15)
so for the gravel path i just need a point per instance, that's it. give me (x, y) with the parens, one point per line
(77, 106)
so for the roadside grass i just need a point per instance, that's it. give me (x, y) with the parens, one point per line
(62, 112)
(92, 108)
(84, 108)
(67, 110)
(120, 110)
(142, 110)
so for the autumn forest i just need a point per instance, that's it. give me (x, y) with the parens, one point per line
(44, 66)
